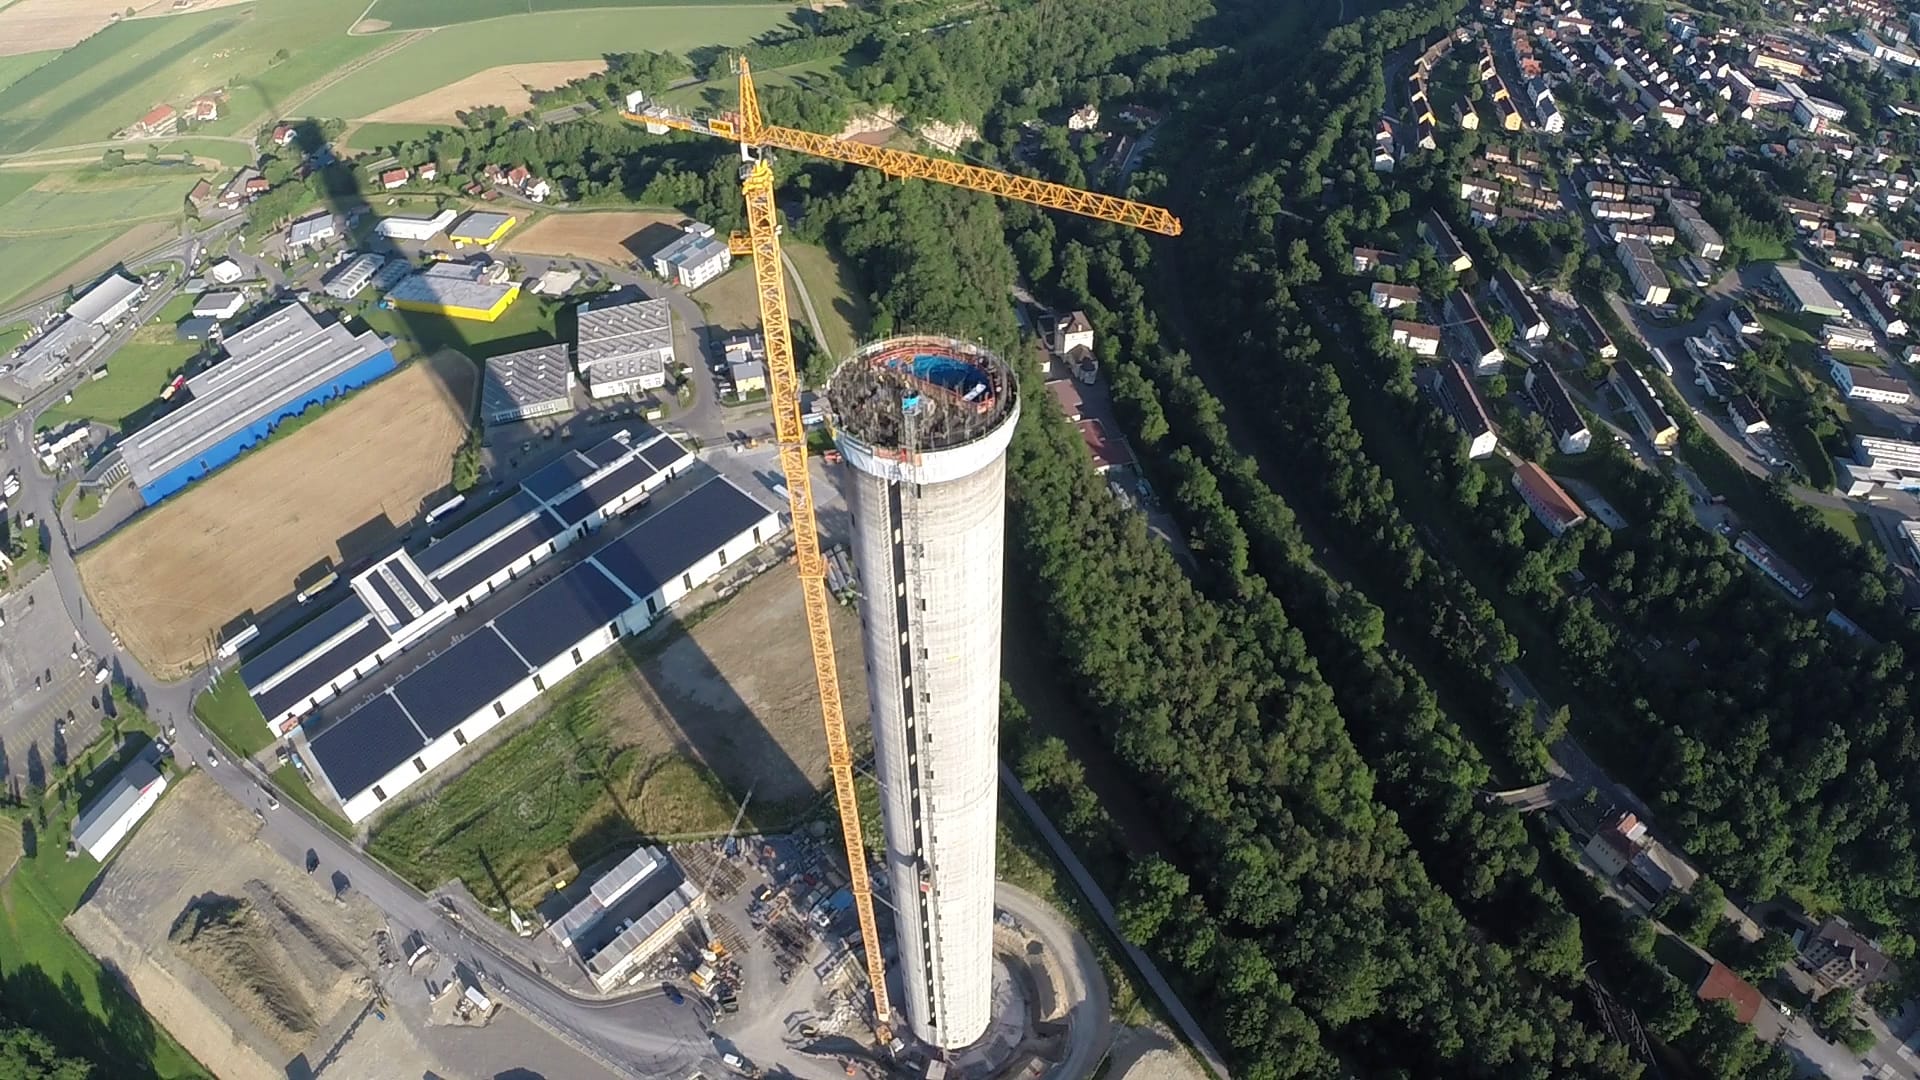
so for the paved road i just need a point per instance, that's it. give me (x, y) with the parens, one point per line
(1090, 1021)
(1097, 899)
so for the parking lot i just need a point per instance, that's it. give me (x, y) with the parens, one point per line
(50, 705)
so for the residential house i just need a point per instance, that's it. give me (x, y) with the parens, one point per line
(1528, 323)
(1422, 338)
(1435, 231)
(1367, 260)
(1596, 334)
(1483, 352)
(394, 178)
(1462, 402)
(427, 172)
(1070, 332)
(1387, 296)
(311, 231)
(1647, 283)
(1084, 118)
(1879, 312)
(282, 134)
(1840, 957)
(204, 109)
(1868, 384)
(1549, 394)
(1656, 423)
(1550, 503)
(1721, 984)
(1769, 562)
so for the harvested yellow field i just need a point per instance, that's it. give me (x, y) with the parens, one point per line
(505, 86)
(619, 236)
(338, 489)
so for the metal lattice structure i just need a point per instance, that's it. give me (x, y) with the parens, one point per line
(762, 241)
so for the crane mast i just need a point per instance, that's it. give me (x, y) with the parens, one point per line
(762, 241)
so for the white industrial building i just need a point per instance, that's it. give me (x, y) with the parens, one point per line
(629, 913)
(464, 690)
(694, 259)
(112, 815)
(109, 300)
(219, 306)
(413, 228)
(1868, 384)
(557, 505)
(525, 384)
(625, 344)
(346, 281)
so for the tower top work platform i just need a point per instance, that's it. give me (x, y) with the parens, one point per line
(922, 408)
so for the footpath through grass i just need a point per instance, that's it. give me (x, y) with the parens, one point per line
(549, 799)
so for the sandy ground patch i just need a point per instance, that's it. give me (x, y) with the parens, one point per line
(35, 25)
(369, 26)
(504, 86)
(337, 489)
(1150, 1054)
(737, 694)
(615, 237)
(142, 895)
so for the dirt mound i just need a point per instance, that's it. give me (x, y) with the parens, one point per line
(286, 974)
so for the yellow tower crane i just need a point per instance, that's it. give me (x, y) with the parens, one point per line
(762, 241)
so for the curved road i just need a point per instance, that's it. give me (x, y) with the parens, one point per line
(1090, 1021)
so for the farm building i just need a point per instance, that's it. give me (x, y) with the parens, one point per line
(428, 715)
(346, 281)
(477, 291)
(628, 914)
(108, 819)
(694, 259)
(413, 228)
(554, 507)
(525, 384)
(483, 228)
(625, 344)
(276, 368)
(160, 120)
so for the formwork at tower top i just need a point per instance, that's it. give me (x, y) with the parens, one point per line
(950, 392)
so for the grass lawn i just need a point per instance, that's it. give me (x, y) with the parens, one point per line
(230, 154)
(27, 262)
(732, 303)
(725, 92)
(15, 68)
(295, 787)
(227, 710)
(553, 797)
(11, 336)
(107, 81)
(87, 197)
(837, 297)
(136, 373)
(1859, 359)
(1848, 523)
(88, 504)
(415, 14)
(527, 322)
(375, 135)
(454, 53)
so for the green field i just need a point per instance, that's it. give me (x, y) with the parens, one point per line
(207, 150)
(836, 296)
(27, 262)
(417, 14)
(109, 80)
(15, 182)
(227, 710)
(136, 373)
(375, 136)
(93, 196)
(458, 51)
(555, 796)
(15, 68)
(11, 336)
(724, 93)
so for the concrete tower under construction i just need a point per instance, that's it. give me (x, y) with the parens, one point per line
(925, 422)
